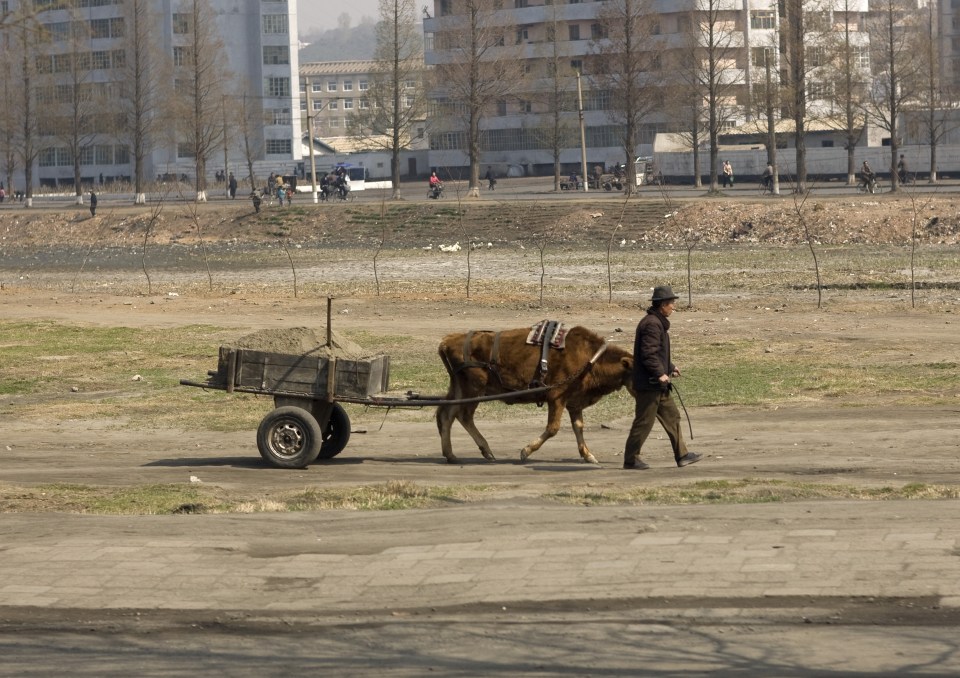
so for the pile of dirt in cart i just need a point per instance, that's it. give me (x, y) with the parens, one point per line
(301, 341)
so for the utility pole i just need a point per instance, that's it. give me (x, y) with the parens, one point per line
(583, 135)
(313, 161)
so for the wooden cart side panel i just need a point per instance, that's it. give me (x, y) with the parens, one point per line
(282, 372)
(360, 378)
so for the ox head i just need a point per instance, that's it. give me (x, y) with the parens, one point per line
(626, 374)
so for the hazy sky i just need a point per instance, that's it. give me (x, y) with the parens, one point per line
(324, 13)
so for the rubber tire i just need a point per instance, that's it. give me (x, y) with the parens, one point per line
(607, 186)
(289, 437)
(337, 433)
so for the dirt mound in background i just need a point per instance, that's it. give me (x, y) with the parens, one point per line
(300, 341)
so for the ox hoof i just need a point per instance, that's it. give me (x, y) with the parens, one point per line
(488, 456)
(452, 460)
(524, 455)
(590, 459)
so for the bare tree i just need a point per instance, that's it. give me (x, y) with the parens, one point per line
(846, 78)
(72, 98)
(630, 68)
(715, 45)
(200, 73)
(936, 103)
(479, 68)
(396, 99)
(898, 71)
(793, 38)
(27, 39)
(146, 69)
(250, 123)
(555, 129)
(8, 117)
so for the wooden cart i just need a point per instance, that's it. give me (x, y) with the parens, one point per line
(307, 422)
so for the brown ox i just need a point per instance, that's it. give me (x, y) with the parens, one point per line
(577, 383)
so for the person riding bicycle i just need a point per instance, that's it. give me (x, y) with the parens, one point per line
(767, 179)
(868, 176)
(436, 186)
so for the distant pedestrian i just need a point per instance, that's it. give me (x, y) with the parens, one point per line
(255, 197)
(902, 169)
(93, 204)
(233, 186)
(727, 174)
(491, 179)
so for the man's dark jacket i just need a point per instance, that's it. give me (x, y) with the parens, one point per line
(651, 351)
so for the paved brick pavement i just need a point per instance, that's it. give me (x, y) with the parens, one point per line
(503, 554)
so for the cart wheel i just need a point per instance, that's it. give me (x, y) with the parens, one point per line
(337, 434)
(289, 437)
(607, 186)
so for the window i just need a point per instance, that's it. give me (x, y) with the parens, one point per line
(364, 104)
(816, 56)
(526, 106)
(501, 107)
(763, 19)
(106, 28)
(279, 116)
(520, 4)
(576, 65)
(598, 32)
(331, 85)
(446, 7)
(409, 101)
(276, 55)
(317, 105)
(333, 105)
(574, 31)
(523, 34)
(182, 56)
(275, 24)
(278, 147)
(86, 155)
(759, 56)
(181, 24)
(278, 87)
(103, 155)
(316, 87)
(348, 85)
(861, 56)
(185, 150)
(363, 86)
(409, 84)
(100, 60)
(347, 104)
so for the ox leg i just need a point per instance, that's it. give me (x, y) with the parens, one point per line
(554, 416)
(445, 416)
(465, 416)
(576, 419)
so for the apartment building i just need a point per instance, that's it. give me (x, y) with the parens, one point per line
(539, 30)
(259, 40)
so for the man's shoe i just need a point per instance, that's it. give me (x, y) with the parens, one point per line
(638, 465)
(689, 458)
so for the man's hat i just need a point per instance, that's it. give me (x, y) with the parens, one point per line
(663, 293)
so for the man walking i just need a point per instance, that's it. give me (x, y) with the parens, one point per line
(652, 370)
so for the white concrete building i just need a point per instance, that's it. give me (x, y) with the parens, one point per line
(260, 44)
(511, 142)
